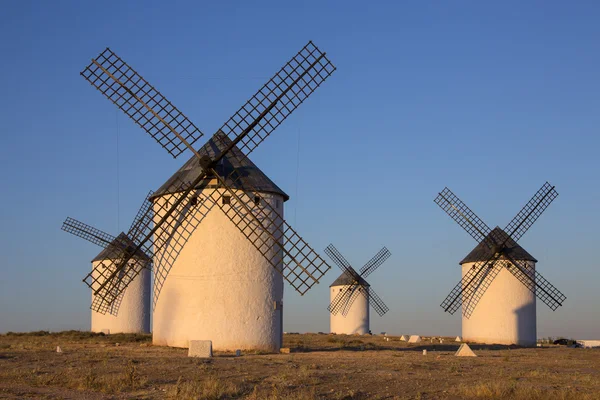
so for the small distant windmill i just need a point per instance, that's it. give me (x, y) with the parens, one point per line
(219, 173)
(506, 314)
(349, 315)
(134, 306)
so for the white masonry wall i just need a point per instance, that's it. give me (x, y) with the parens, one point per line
(357, 319)
(506, 313)
(220, 288)
(133, 314)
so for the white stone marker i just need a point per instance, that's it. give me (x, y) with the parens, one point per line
(588, 344)
(58, 349)
(414, 339)
(403, 338)
(465, 351)
(424, 352)
(200, 348)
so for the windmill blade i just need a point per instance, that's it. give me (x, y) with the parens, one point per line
(174, 234)
(278, 98)
(535, 282)
(478, 288)
(341, 262)
(465, 288)
(531, 212)
(87, 232)
(463, 215)
(145, 105)
(339, 300)
(355, 291)
(376, 302)
(267, 230)
(375, 262)
(369, 293)
(143, 219)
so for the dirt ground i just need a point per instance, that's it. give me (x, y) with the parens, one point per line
(94, 366)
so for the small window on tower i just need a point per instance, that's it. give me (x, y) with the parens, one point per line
(256, 200)
(226, 200)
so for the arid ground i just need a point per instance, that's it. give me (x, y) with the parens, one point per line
(94, 366)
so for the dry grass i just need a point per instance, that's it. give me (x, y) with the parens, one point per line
(320, 366)
(514, 391)
(207, 389)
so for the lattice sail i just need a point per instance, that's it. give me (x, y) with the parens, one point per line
(375, 262)
(279, 97)
(341, 262)
(536, 283)
(278, 242)
(531, 211)
(145, 105)
(340, 299)
(463, 215)
(87, 232)
(468, 285)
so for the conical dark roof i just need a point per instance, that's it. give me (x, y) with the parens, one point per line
(123, 241)
(346, 279)
(248, 176)
(482, 252)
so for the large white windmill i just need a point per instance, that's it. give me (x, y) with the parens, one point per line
(499, 282)
(223, 281)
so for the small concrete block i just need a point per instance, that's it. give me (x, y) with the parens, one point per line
(424, 352)
(284, 350)
(414, 339)
(200, 348)
(238, 353)
(465, 351)
(58, 349)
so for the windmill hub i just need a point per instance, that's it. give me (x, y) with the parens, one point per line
(498, 249)
(205, 162)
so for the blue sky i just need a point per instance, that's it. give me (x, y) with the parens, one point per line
(489, 98)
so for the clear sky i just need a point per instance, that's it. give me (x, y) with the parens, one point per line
(488, 98)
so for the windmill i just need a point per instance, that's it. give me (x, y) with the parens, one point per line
(507, 313)
(351, 294)
(217, 174)
(134, 306)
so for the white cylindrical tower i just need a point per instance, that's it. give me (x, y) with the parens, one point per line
(356, 318)
(133, 308)
(220, 287)
(506, 313)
